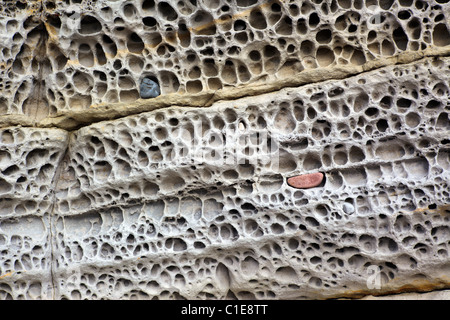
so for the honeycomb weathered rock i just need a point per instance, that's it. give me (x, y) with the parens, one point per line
(185, 202)
(149, 200)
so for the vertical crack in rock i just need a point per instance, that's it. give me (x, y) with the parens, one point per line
(52, 217)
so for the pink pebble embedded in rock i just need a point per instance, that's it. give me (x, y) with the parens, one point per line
(306, 181)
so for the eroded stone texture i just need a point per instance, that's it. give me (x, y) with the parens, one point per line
(74, 54)
(142, 214)
(306, 181)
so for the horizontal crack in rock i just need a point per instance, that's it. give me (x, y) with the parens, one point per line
(416, 286)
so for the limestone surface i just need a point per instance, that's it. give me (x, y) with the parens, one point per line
(149, 89)
(189, 195)
(75, 54)
(193, 203)
(29, 160)
(306, 181)
(435, 295)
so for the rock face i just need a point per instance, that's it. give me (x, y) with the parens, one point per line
(306, 181)
(200, 203)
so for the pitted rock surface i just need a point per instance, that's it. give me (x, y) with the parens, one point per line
(149, 89)
(197, 203)
(306, 181)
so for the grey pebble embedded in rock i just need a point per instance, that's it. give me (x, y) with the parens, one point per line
(348, 208)
(317, 113)
(149, 89)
